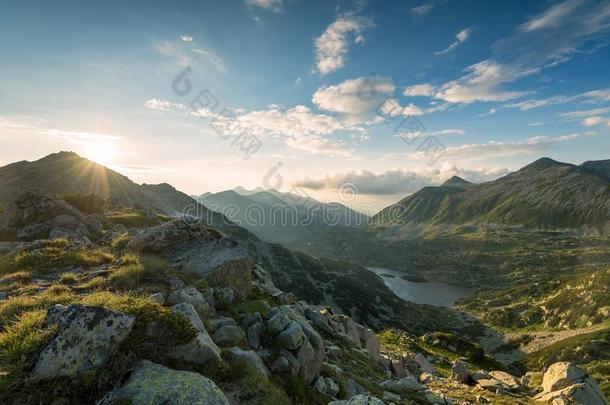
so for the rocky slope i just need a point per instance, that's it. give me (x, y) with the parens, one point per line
(178, 313)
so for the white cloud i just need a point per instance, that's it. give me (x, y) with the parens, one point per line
(333, 44)
(483, 82)
(186, 38)
(422, 9)
(162, 105)
(399, 181)
(423, 89)
(585, 113)
(595, 121)
(274, 6)
(492, 149)
(536, 124)
(460, 38)
(355, 99)
(212, 58)
(491, 111)
(590, 97)
(553, 17)
(391, 107)
(450, 131)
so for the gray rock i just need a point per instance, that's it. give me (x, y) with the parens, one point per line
(228, 335)
(277, 323)
(248, 358)
(352, 388)
(254, 335)
(326, 386)
(390, 396)
(403, 386)
(86, 339)
(159, 298)
(334, 352)
(460, 372)
(319, 321)
(220, 321)
(167, 235)
(308, 361)
(199, 351)
(370, 342)
(509, 381)
(152, 383)
(223, 297)
(292, 337)
(564, 380)
(252, 319)
(191, 296)
(424, 364)
(191, 314)
(285, 363)
(362, 399)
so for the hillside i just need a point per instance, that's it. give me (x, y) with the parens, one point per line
(545, 194)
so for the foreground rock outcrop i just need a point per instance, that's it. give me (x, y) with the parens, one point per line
(566, 383)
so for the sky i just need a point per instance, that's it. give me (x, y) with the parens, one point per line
(362, 102)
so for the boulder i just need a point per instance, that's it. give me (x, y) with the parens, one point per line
(566, 381)
(403, 386)
(221, 321)
(361, 399)
(309, 362)
(424, 364)
(167, 235)
(351, 329)
(292, 337)
(352, 388)
(253, 335)
(159, 298)
(286, 363)
(370, 342)
(509, 381)
(152, 383)
(319, 321)
(228, 335)
(248, 358)
(223, 297)
(199, 351)
(277, 323)
(87, 337)
(460, 372)
(397, 369)
(190, 313)
(223, 262)
(191, 296)
(326, 386)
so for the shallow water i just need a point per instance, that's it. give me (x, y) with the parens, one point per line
(429, 292)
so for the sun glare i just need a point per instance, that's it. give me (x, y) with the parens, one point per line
(99, 152)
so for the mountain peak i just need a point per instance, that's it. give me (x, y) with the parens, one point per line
(542, 164)
(455, 181)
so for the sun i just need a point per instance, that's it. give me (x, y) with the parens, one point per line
(99, 152)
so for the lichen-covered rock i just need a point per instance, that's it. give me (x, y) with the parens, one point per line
(152, 383)
(566, 381)
(221, 321)
(224, 297)
(87, 336)
(187, 310)
(223, 262)
(352, 388)
(292, 337)
(199, 351)
(277, 323)
(361, 399)
(460, 372)
(228, 335)
(403, 386)
(191, 296)
(248, 358)
(509, 381)
(326, 386)
(254, 334)
(424, 364)
(165, 236)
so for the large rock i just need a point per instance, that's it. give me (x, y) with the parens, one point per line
(190, 295)
(166, 236)
(362, 399)
(320, 321)
(86, 339)
(191, 314)
(370, 342)
(424, 364)
(277, 323)
(248, 358)
(292, 337)
(199, 351)
(403, 386)
(253, 335)
(34, 216)
(152, 383)
(564, 380)
(460, 372)
(229, 335)
(509, 381)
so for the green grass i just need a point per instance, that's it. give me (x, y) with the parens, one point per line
(85, 203)
(132, 219)
(12, 308)
(137, 271)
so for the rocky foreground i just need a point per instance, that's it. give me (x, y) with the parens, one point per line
(152, 310)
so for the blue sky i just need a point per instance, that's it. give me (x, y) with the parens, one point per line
(344, 95)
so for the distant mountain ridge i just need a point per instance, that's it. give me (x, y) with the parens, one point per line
(281, 217)
(544, 194)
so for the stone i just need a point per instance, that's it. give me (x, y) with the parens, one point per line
(248, 358)
(351, 329)
(199, 351)
(159, 298)
(228, 335)
(361, 399)
(390, 396)
(309, 364)
(398, 369)
(152, 383)
(334, 352)
(223, 262)
(221, 321)
(370, 342)
(319, 321)
(509, 381)
(326, 386)
(352, 388)
(560, 375)
(252, 319)
(460, 372)
(163, 237)
(192, 296)
(253, 335)
(565, 380)
(190, 313)
(581, 394)
(491, 384)
(424, 364)
(277, 323)
(223, 297)
(87, 338)
(403, 386)
(292, 337)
